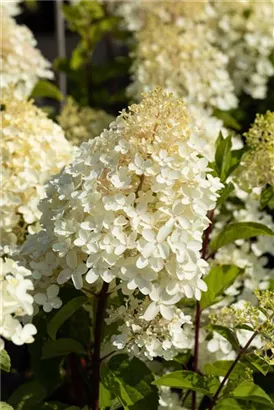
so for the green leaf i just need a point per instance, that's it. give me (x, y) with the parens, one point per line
(61, 347)
(104, 398)
(184, 379)
(5, 406)
(239, 230)
(46, 89)
(63, 314)
(224, 193)
(251, 392)
(227, 334)
(28, 396)
(131, 382)
(228, 120)
(257, 363)
(228, 404)
(223, 156)
(218, 279)
(266, 196)
(4, 361)
(221, 367)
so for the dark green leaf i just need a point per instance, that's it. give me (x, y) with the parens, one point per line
(63, 314)
(223, 156)
(61, 347)
(4, 361)
(221, 367)
(251, 392)
(240, 230)
(218, 279)
(184, 379)
(224, 193)
(227, 334)
(28, 396)
(257, 363)
(266, 196)
(228, 120)
(46, 89)
(130, 381)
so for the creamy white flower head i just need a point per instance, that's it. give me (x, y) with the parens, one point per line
(240, 30)
(16, 303)
(33, 148)
(136, 12)
(11, 7)
(133, 206)
(156, 337)
(244, 31)
(82, 123)
(190, 67)
(22, 64)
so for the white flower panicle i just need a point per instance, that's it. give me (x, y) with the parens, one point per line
(244, 32)
(12, 8)
(160, 337)
(33, 148)
(190, 67)
(133, 206)
(22, 64)
(236, 39)
(16, 303)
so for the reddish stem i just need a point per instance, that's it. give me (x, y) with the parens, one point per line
(198, 310)
(98, 330)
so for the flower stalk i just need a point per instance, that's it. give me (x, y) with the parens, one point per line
(199, 311)
(98, 330)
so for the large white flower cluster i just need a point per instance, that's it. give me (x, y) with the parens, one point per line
(12, 8)
(16, 303)
(132, 206)
(21, 62)
(33, 148)
(160, 337)
(190, 66)
(236, 40)
(244, 32)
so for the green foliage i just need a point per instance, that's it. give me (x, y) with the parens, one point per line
(28, 396)
(105, 399)
(61, 347)
(228, 334)
(228, 119)
(228, 404)
(226, 159)
(267, 195)
(185, 379)
(257, 363)
(224, 193)
(64, 314)
(218, 279)
(4, 361)
(221, 367)
(239, 230)
(130, 381)
(249, 391)
(46, 89)
(5, 406)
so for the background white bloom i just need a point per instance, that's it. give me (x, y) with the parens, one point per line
(148, 339)
(16, 302)
(11, 7)
(33, 148)
(22, 64)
